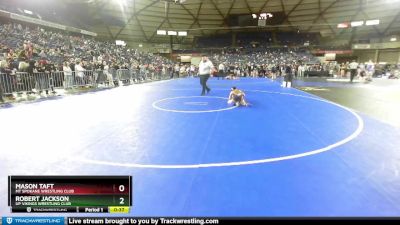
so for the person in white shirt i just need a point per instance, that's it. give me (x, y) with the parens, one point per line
(221, 69)
(79, 70)
(353, 70)
(110, 80)
(206, 68)
(370, 70)
(177, 68)
(301, 70)
(68, 79)
(182, 70)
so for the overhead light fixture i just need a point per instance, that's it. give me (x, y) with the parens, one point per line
(120, 43)
(172, 33)
(372, 22)
(264, 16)
(28, 12)
(179, 1)
(343, 25)
(140, 46)
(182, 33)
(161, 32)
(120, 2)
(393, 39)
(357, 23)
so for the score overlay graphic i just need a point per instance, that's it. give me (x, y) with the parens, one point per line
(62, 194)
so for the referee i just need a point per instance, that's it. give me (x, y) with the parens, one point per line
(205, 69)
(353, 70)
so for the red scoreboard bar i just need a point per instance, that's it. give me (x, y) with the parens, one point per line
(77, 194)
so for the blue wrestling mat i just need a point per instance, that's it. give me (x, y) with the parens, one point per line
(289, 154)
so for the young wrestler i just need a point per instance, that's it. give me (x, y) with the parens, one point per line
(236, 97)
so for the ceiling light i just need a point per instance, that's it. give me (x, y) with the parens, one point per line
(357, 23)
(343, 25)
(161, 32)
(28, 12)
(182, 33)
(372, 22)
(120, 43)
(172, 33)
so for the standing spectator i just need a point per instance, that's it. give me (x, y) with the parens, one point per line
(72, 67)
(67, 76)
(342, 70)
(182, 70)
(31, 69)
(79, 73)
(262, 72)
(192, 70)
(1, 82)
(221, 69)
(300, 71)
(273, 72)
(370, 70)
(176, 71)
(170, 71)
(288, 76)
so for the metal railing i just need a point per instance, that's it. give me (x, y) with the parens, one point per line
(37, 83)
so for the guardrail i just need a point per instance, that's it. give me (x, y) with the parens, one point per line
(39, 83)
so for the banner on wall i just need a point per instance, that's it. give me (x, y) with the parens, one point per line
(330, 56)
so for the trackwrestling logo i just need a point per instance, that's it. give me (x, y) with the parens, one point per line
(33, 220)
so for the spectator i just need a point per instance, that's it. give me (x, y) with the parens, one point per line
(67, 76)
(79, 76)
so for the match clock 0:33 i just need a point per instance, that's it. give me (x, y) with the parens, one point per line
(118, 209)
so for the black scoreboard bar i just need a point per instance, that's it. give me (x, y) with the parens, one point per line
(88, 194)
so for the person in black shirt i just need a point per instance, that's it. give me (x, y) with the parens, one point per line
(30, 70)
(288, 76)
(261, 72)
(273, 72)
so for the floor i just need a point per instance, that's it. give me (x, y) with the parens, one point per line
(379, 99)
(291, 153)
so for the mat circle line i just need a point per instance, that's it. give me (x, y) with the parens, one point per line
(154, 104)
(351, 137)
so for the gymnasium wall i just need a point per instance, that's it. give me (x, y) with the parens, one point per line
(390, 56)
(365, 55)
